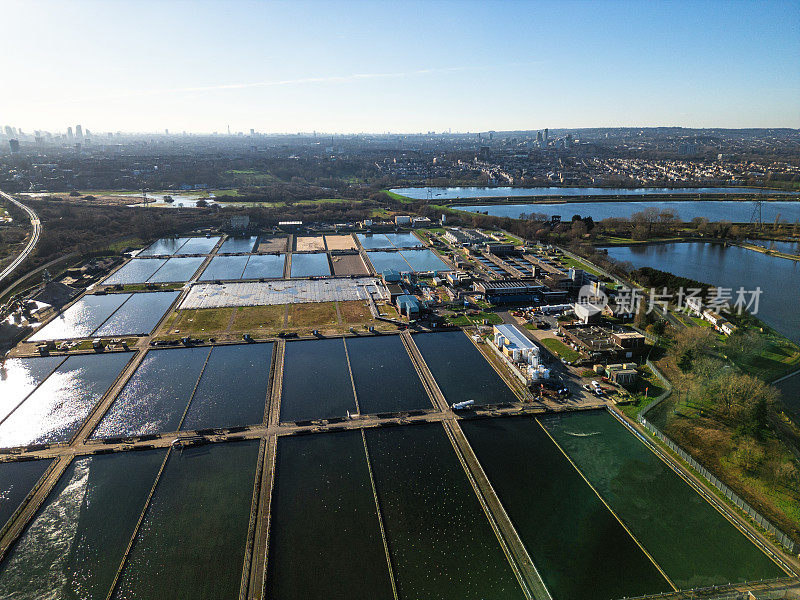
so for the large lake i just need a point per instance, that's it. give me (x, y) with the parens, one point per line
(736, 211)
(454, 193)
(732, 267)
(729, 267)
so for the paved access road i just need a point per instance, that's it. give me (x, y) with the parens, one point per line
(32, 241)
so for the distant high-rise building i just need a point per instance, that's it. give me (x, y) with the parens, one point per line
(69, 133)
(78, 131)
(252, 131)
(166, 132)
(545, 136)
(14, 145)
(539, 137)
(8, 131)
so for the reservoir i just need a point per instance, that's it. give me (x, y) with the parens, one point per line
(137, 270)
(576, 544)
(164, 247)
(238, 245)
(252, 266)
(730, 267)
(694, 544)
(423, 261)
(81, 318)
(439, 537)
(233, 388)
(384, 375)
(192, 541)
(785, 247)
(383, 260)
(16, 481)
(55, 410)
(329, 546)
(224, 267)
(74, 545)
(453, 193)
(156, 270)
(461, 370)
(139, 315)
(268, 266)
(157, 394)
(403, 240)
(177, 269)
(198, 245)
(108, 315)
(310, 265)
(316, 381)
(686, 210)
(20, 376)
(374, 241)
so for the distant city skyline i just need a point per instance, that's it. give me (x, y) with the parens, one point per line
(374, 67)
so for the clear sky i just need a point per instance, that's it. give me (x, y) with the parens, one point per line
(398, 66)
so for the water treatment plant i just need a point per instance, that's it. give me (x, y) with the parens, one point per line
(289, 416)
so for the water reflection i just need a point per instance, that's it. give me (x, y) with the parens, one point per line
(55, 411)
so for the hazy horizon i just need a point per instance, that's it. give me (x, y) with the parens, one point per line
(403, 68)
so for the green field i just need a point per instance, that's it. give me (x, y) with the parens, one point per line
(403, 199)
(560, 348)
(463, 320)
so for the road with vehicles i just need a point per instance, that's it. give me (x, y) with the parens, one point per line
(32, 240)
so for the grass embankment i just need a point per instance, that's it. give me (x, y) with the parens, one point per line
(778, 357)
(577, 264)
(231, 323)
(133, 242)
(720, 412)
(761, 470)
(465, 320)
(398, 197)
(561, 349)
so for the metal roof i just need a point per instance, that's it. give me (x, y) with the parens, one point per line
(515, 336)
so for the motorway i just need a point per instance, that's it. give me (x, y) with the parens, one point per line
(32, 241)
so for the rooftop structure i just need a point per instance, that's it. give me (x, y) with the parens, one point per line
(407, 305)
(509, 290)
(587, 313)
(512, 342)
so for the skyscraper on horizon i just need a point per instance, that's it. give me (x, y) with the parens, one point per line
(78, 131)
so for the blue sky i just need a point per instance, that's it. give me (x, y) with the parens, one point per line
(398, 66)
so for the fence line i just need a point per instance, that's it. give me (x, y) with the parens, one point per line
(762, 522)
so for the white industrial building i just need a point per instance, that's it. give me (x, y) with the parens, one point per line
(520, 351)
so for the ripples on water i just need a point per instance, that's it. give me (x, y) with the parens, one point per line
(438, 535)
(20, 376)
(157, 394)
(46, 546)
(60, 404)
